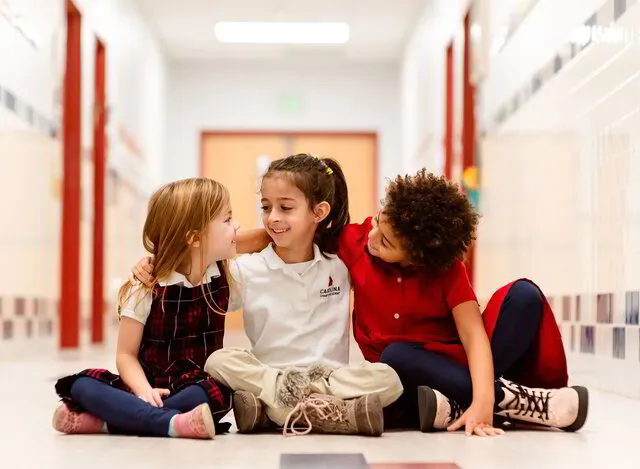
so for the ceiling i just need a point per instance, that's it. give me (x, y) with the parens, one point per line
(379, 28)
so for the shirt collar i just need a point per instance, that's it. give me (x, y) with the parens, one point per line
(394, 268)
(176, 278)
(275, 262)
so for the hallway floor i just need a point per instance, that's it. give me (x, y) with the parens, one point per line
(27, 401)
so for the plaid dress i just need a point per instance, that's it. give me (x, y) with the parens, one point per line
(181, 332)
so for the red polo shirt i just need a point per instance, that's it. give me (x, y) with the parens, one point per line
(394, 304)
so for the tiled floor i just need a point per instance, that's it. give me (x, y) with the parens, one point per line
(27, 401)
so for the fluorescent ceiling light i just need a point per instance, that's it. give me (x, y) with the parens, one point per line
(282, 33)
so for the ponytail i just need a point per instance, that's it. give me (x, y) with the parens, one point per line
(330, 228)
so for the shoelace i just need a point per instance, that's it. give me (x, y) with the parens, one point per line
(324, 409)
(529, 401)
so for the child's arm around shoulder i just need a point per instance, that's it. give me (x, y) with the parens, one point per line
(250, 241)
(247, 242)
(352, 240)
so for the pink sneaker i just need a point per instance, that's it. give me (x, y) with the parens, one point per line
(67, 421)
(197, 423)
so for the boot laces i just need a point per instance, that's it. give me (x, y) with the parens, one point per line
(324, 409)
(530, 402)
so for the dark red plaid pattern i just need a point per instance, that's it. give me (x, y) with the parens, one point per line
(184, 327)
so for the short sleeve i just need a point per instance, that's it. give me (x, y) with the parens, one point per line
(457, 286)
(138, 305)
(352, 241)
(236, 285)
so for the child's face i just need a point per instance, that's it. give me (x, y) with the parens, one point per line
(384, 243)
(221, 236)
(285, 213)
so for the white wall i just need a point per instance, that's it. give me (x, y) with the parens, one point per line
(423, 65)
(136, 87)
(547, 27)
(30, 181)
(31, 65)
(248, 96)
(559, 201)
(423, 84)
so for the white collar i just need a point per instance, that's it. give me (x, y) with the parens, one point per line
(275, 262)
(176, 278)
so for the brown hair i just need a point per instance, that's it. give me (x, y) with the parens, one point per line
(320, 180)
(434, 220)
(176, 212)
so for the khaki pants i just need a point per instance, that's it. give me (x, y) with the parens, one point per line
(239, 369)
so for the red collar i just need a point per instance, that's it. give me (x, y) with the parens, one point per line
(396, 269)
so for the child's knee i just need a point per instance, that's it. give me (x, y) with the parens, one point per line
(392, 385)
(85, 391)
(214, 362)
(527, 296)
(221, 360)
(81, 387)
(197, 395)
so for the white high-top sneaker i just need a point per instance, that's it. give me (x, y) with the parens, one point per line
(564, 408)
(437, 411)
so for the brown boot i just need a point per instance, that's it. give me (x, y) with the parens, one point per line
(328, 414)
(250, 413)
(564, 408)
(436, 410)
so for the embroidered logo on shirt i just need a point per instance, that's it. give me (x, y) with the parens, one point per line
(330, 290)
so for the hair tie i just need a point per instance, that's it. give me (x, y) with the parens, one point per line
(329, 171)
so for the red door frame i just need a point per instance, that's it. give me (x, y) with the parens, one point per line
(469, 122)
(72, 151)
(298, 133)
(448, 112)
(99, 161)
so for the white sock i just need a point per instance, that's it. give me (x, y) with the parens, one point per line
(172, 427)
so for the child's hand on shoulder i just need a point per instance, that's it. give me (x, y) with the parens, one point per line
(142, 272)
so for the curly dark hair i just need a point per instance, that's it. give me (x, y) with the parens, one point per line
(435, 222)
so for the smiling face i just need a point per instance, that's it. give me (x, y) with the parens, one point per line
(286, 214)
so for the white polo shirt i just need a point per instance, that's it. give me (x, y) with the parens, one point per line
(294, 314)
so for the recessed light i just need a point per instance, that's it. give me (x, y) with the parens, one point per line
(282, 33)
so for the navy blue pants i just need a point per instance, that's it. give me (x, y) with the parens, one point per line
(126, 414)
(515, 331)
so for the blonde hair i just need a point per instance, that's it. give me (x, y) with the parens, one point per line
(176, 212)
